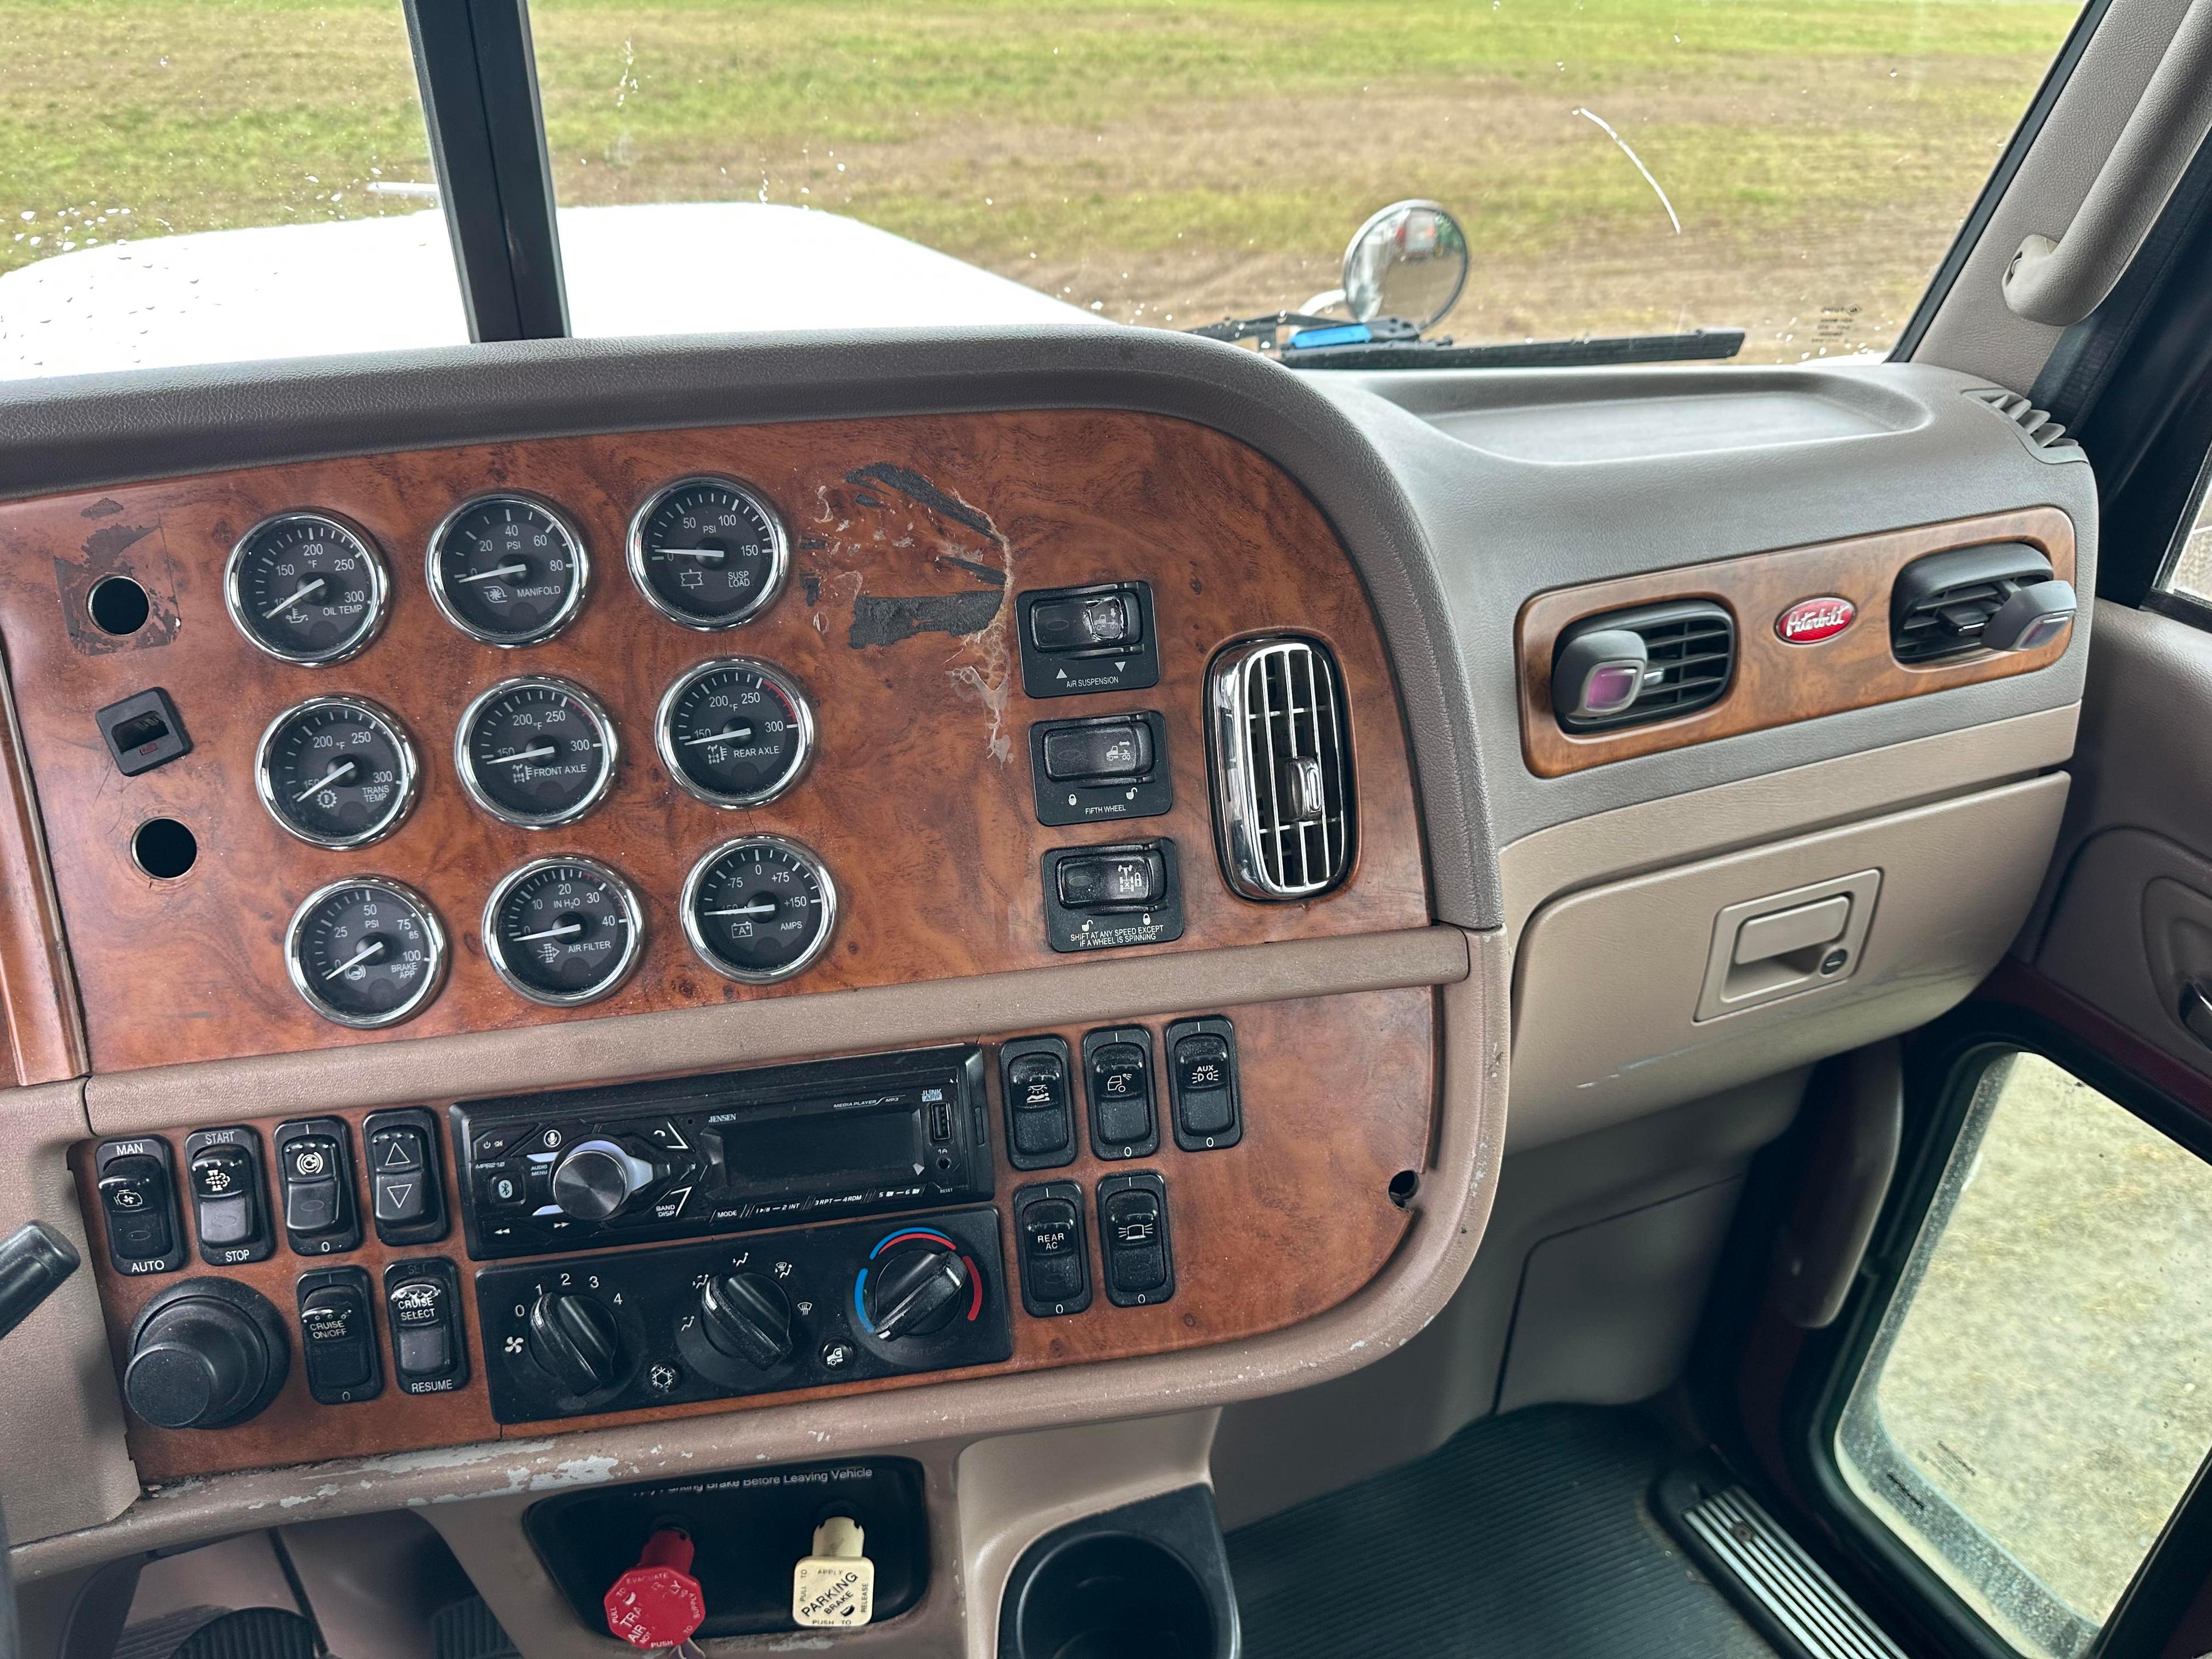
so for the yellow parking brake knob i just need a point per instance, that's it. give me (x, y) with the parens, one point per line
(835, 1587)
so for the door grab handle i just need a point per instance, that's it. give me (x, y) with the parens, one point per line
(2197, 1011)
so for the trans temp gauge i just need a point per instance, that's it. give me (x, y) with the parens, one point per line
(337, 771)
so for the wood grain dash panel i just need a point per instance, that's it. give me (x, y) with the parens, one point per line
(1776, 682)
(38, 991)
(1338, 1094)
(919, 799)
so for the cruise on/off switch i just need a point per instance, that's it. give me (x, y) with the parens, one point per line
(337, 1336)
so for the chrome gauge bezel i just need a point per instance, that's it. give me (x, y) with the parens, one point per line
(779, 553)
(379, 587)
(664, 740)
(433, 932)
(410, 781)
(495, 945)
(464, 763)
(687, 905)
(434, 574)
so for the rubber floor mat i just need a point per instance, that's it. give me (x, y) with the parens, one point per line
(1523, 1537)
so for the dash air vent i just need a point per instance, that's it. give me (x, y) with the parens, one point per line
(1656, 662)
(1279, 738)
(2035, 424)
(1999, 596)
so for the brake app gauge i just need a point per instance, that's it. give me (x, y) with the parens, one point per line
(563, 930)
(734, 732)
(307, 587)
(365, 951)
(759, 909)
(708, 552)
(536, 752)
(337, 771)
(507, 569)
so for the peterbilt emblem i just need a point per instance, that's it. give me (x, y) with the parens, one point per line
(1810, 620)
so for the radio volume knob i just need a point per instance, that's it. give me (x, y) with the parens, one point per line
(747, 1317)
(596, 1178)
(573, 1338)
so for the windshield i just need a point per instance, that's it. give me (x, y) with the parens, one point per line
(1793, 168)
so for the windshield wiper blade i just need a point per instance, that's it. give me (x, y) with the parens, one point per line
(1704, 345)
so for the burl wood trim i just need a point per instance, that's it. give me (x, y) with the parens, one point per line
(1338, 1096)
(919, 799)
(38, 993)
(1775, 683)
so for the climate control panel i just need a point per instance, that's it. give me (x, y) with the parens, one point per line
(816, 1306)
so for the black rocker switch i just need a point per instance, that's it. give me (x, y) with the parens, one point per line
(1055, 1267)
(407, 1198)
(314, 1175)
(143, 732)
(1111, 766)
(1202, 1083)
(337, 1336)
(1133, 1229)
(1079, 641)
(422, 1300)
(137, 1191)
(1097, 899)
(1038, 1080)
(230, 1208)
(1117, 1075)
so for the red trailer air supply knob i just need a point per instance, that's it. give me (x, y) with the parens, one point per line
(657, 1605)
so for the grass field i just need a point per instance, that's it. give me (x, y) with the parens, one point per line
(1163, 160)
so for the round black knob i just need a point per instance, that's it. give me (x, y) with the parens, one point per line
(596, 1178)
(573, 1338)
(916, 1290)
(206, 1354)
(746, 1317)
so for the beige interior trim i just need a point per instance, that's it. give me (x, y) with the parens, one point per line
(777, 1028)
(1447, 1218)
(1608, 846)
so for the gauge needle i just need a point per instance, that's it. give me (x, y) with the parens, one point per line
(561, 932)
(544, 751)
(728, 735)
(341, 769)
(305, 591)
(757, 908)
(496, 570)
(368, 952)
(711, 554)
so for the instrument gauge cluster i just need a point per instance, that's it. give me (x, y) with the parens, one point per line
(510, 570)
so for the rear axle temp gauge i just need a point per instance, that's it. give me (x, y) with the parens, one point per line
(537, 752)
(307, 587)
(507, 569)
(563, 930)
(759, 909)
(734, 732)
(339, 772)
(708, 552)
(365, 951)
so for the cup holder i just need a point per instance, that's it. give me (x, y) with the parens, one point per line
(1148, 1581)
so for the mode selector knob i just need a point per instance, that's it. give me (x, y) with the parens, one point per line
(916, 1290)
(205, 1354)
(747, 1317)
(596, 1178)
(573, 1338)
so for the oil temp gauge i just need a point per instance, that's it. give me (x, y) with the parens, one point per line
(708, 552)
(507, 569)
(563, 930)
(537, 752)
(365, 951)
(339, 772)
(759, 909)
(734, 732)
(307, 587)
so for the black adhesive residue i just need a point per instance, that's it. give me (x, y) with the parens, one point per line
(915, 487)
(812, 586)
(887, 622)
(105, 507)
(109, 542)
(981, 572)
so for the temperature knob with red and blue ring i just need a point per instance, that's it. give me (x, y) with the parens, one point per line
(916, 1281)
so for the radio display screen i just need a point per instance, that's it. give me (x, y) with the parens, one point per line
(808, 1149)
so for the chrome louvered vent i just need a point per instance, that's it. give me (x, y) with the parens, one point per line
(1279, 739)
(2035, 424)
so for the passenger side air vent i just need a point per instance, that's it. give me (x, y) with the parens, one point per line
(2041, 432)
(1279, 738)
(1656, 662)
(1947, 604)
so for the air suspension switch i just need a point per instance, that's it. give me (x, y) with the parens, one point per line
(657, 1605)
(835, 1587)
